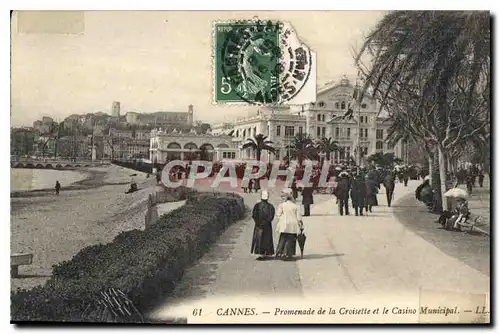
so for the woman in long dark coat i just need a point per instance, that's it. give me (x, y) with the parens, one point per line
(358, 194)
(371, 194)
(263, 215)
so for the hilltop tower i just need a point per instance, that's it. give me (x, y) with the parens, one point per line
(190, 115)
(115, 109)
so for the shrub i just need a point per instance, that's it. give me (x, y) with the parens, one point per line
(145, 265)
(174, 194)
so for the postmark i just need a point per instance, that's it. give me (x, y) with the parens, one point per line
(258, 62)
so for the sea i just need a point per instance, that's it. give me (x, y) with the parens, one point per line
(24, 179)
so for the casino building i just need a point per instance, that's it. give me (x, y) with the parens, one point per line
(177, 145)
(320, 119)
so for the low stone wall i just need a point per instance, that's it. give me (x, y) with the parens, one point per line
(163, 196)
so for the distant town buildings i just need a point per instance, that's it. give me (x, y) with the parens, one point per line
(113, 136)
(165, 135)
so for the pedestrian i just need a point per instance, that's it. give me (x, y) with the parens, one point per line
(250, 185)
(295, 191)
(406, 177)
(470, 180)
(358, 193)
(263, 215)
(424, 193)
(480, 178)
(288, 226)
(57, 187)
(307, 200)
(342, 192)
(371, 194)
(257, 185)
(389, 185)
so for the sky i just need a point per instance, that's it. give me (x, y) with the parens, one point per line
(73, 62)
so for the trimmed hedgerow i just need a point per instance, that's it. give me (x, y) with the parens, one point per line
(145, 265)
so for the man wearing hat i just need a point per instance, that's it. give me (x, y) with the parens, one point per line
(358, 193)
(342, 192)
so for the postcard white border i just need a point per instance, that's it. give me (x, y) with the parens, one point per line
(184, 5)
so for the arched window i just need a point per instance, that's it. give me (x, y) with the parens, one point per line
(190, 146)
(321, 104)
(337, 105)
(342, 105)
(244, 133)
(363, 106)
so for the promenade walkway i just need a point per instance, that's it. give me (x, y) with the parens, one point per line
(354, 257)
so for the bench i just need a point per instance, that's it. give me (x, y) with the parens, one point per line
(17, 260)
(476, 222)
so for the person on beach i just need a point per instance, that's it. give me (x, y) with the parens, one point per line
(263, 215)
(288, 226)
(58, 187)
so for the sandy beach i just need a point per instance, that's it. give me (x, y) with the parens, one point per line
(94, 210)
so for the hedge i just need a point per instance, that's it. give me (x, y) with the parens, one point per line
(144, 265)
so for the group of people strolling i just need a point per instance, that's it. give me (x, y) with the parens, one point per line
(361, 188)
(289, 225)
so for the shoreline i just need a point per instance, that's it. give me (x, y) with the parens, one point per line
(93, 179)
(55, 228)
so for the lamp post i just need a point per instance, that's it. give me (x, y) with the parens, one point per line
(358, 132)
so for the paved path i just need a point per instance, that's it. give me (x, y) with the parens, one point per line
(479, 200)
(345, 255)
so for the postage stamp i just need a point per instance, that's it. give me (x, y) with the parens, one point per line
(259, 62)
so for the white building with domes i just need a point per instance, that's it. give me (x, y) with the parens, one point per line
(324, 118)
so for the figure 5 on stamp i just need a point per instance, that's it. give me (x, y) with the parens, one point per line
(259, 62)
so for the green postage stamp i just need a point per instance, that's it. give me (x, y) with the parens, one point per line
(261, 62)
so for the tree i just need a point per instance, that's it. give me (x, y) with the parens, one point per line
(302, 147)
(328, 146)
(387, 160)
(440, 62)
(258, 144)
(203, 153)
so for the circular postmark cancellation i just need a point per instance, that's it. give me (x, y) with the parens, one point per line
(259, 62)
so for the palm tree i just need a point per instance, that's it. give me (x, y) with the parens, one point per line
(258, 144)
(449, 53)
(327, 146)
(302, 147)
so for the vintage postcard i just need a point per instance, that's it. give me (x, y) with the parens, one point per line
(250, 167)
